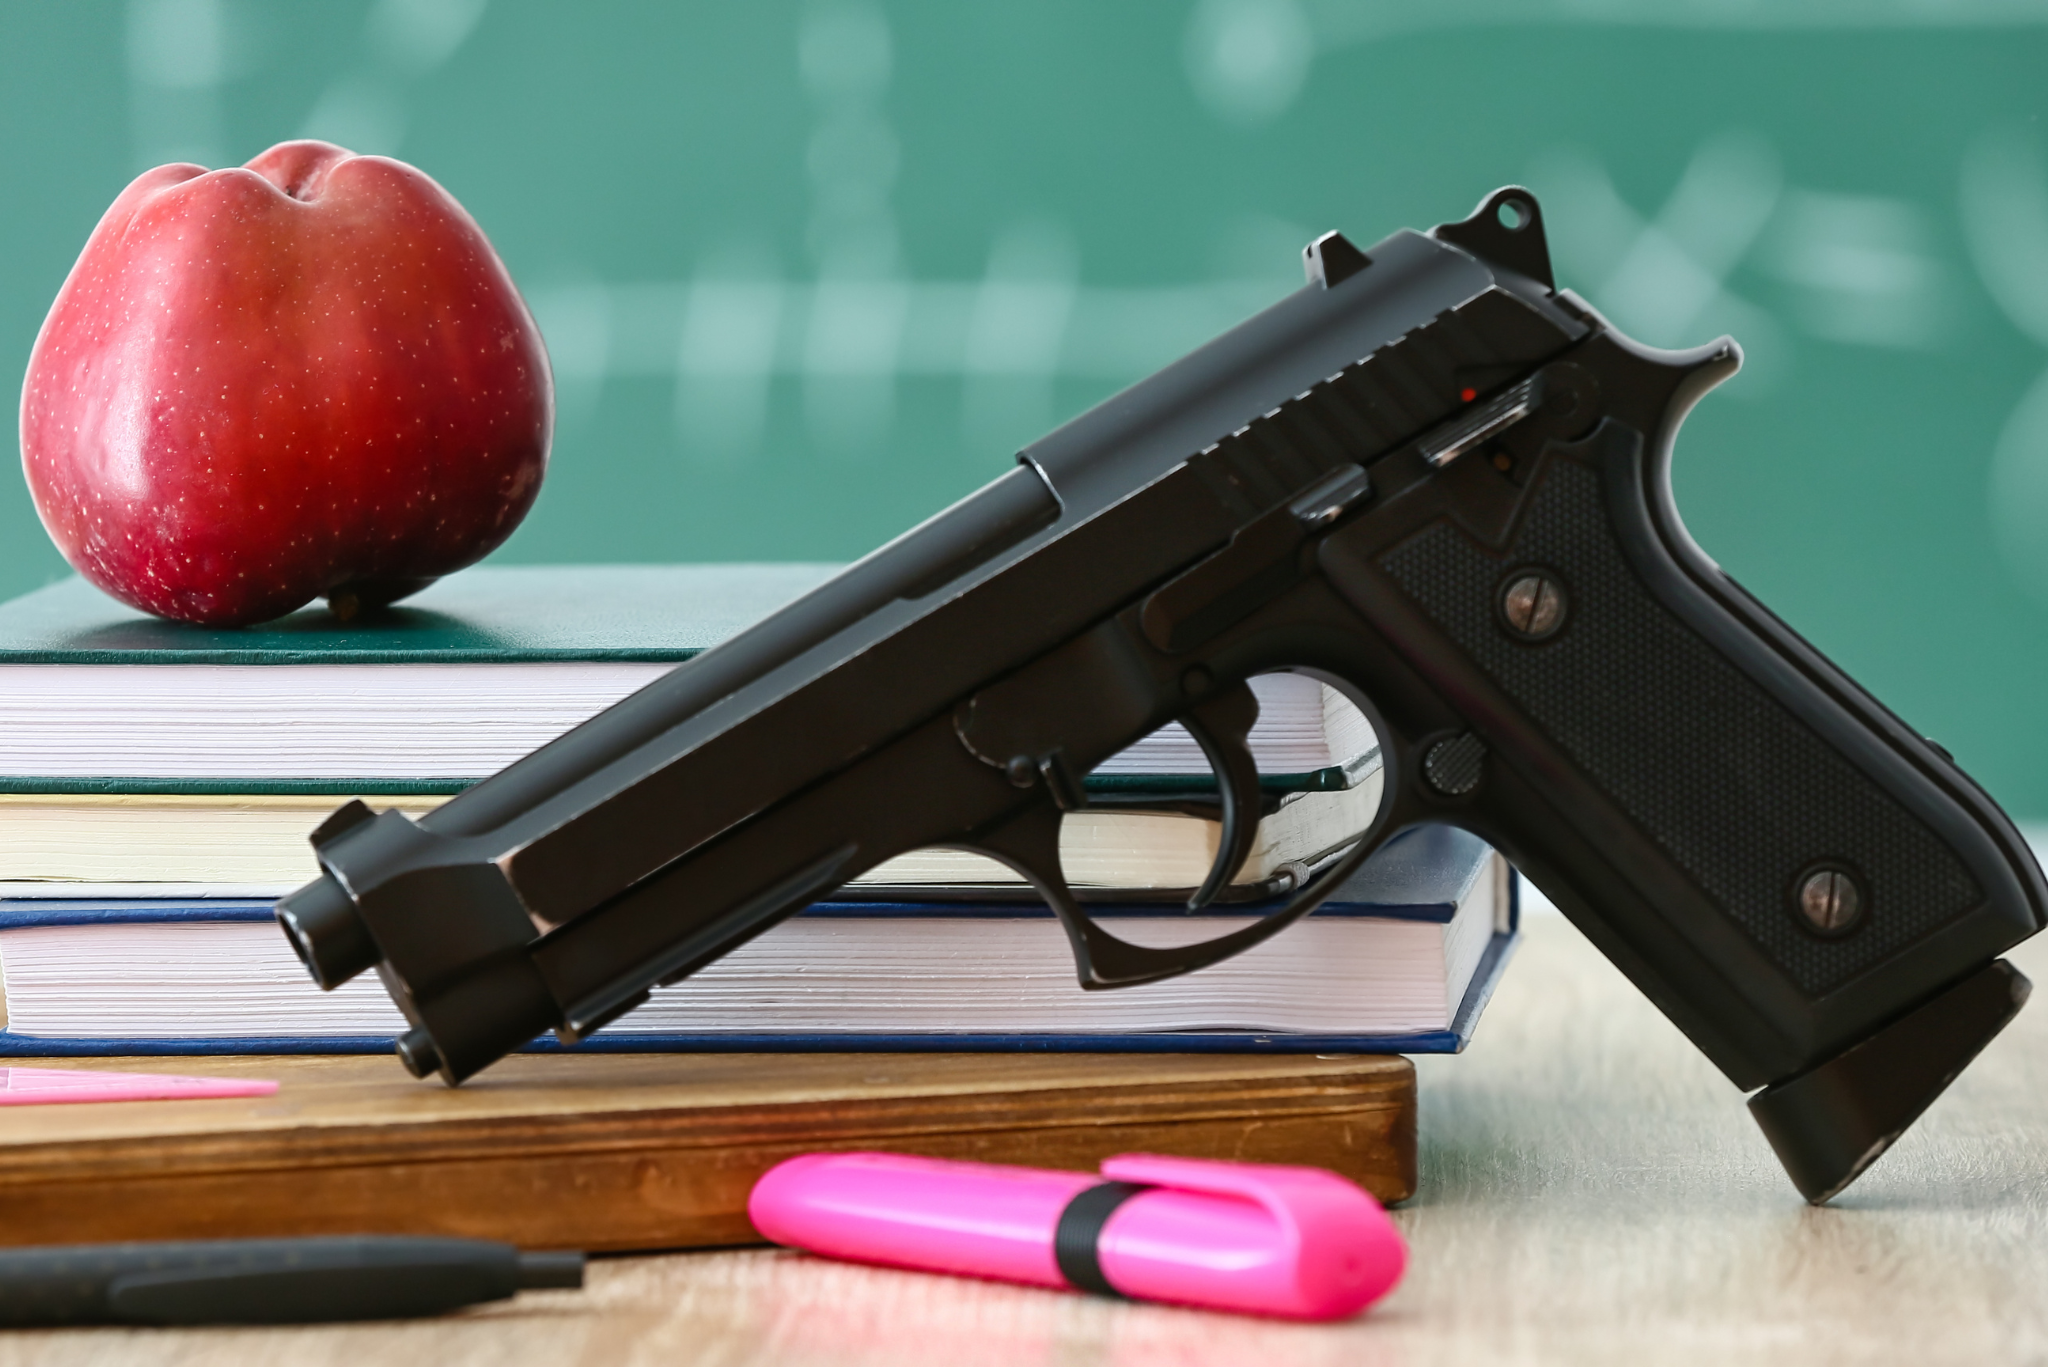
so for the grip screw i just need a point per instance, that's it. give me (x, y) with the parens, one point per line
(1533, 604)
(1830, 901)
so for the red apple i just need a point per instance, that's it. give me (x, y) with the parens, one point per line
(261, 385)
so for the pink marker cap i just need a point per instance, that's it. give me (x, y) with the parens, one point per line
(1251, 1237)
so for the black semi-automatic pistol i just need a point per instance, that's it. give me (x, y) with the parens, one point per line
(1430, 479)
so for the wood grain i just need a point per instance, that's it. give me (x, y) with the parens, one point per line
(609, 1152)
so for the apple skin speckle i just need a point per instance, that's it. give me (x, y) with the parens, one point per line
(266, 384)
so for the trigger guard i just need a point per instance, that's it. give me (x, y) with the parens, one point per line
(1105, 961)
(1029, 843)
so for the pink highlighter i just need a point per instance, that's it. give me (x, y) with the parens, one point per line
(1251, 1237)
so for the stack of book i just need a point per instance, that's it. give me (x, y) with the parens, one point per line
(158, 783)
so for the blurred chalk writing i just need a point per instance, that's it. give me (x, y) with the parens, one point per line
(809, 270)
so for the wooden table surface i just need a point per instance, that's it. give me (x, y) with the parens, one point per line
(1592, 1192)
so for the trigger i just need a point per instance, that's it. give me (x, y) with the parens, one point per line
(1222, 726)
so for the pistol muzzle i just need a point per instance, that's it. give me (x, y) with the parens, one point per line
(327, 932)
(417, 1051)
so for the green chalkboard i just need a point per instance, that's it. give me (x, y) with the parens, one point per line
(809, 272)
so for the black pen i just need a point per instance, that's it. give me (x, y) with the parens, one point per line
(267, 1281)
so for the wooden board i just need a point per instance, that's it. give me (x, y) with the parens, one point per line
(614, 1152)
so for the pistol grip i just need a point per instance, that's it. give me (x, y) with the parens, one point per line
(1775, 860)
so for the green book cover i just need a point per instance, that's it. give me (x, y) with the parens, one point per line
(489, 614)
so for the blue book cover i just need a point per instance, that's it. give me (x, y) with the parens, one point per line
(1422, 875)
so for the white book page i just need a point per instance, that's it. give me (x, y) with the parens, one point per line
(421, 721)
(1329, 974)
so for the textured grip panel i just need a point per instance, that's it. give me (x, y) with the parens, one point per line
(1737, 791)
